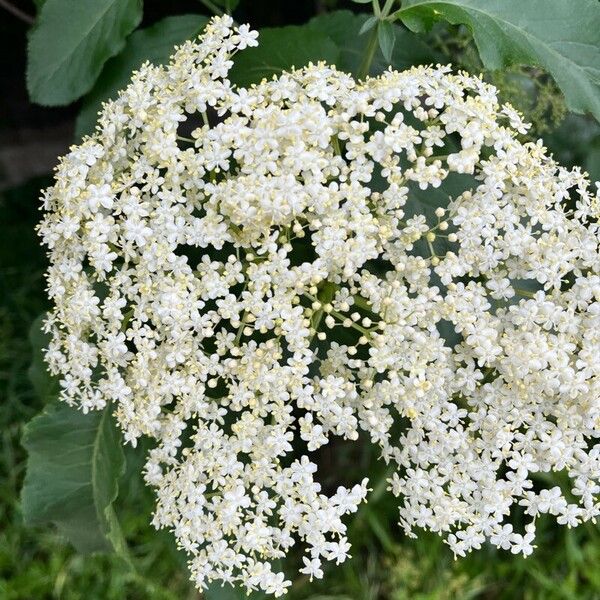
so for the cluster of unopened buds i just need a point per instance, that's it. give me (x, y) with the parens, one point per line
(323, 257)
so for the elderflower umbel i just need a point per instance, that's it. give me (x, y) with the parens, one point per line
(282, 275)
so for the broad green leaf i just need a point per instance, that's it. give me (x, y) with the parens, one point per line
(562, 36)
(343, 28)
(387, 39)
(282, 48)
(74, 464)
(73, 468)
(71, 41)
(154, 43)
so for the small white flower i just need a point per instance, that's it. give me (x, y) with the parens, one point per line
(312, 568)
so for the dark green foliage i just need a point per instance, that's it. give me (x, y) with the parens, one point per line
(387, 39)
(71, 41)
(344, 27)
(282, 48)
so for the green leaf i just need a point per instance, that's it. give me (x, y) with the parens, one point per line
(368, 25)
(561, 36)
(155, 44)
(343, 27)
(282, 48)
(70, 43)
(387, 39)
(362, 1)
(74, 464)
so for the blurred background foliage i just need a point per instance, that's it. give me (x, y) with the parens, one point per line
(37, 564)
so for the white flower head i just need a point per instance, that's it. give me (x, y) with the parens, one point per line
(282, 277)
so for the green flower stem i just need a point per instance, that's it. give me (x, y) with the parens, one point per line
(325, 296)
(364, 304)
(434, 157)
(335, 142)
(387, 7)
(126, 318)
(212, 7)
(372, 45)
(238, 335)
(340, 317)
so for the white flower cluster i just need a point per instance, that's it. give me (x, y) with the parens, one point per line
(293, 271)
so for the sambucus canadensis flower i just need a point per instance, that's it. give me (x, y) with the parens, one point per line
(324, 257)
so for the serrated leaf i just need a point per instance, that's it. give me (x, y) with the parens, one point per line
(74, 464)
(343, 28)
(71, 41)
(73, 468)
(386, 38)
(279, 49)
(561, 36)
(153, 43)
